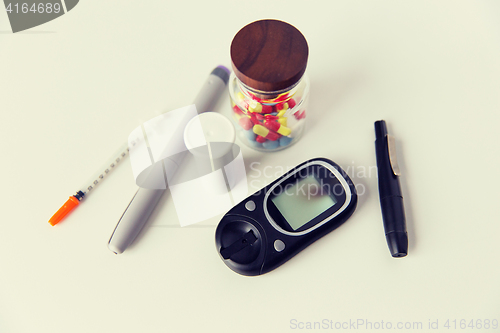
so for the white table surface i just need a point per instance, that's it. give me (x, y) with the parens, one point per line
(72, 90)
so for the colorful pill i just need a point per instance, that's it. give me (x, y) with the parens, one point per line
(240, 97)
(271, 117)
(291, 103)
(281, 113)
(267, 108)
(245, 123)
(237, 110)
(266, 133)
(300, 114)
(282, 107)
(250, 135)
(254, 106)
(254, 119)
(271, 144)
(277, 127)
(282, 121)
(259, 116)
(283, 130)
(260, 139)
(272, 125)
(285, 141)
(255, 144)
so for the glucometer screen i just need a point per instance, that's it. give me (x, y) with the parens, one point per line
(302, 201)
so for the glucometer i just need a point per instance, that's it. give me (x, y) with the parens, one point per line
(277, 222)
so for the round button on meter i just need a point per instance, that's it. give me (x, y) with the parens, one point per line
(250, 205)
(279, 245)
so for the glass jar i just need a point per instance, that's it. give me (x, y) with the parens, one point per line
(268, 88)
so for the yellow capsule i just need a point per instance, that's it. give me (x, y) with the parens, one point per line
(260, 130)
(281, 113)
(285, 107)
(240, 96)
(254, 107)
(285, 131)
(282, 121)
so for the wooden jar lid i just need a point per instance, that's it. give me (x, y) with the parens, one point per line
(269, 55)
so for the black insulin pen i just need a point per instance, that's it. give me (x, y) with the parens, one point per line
(391, 198)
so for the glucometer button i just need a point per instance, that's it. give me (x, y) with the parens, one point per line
(250, 205)
(279, 245)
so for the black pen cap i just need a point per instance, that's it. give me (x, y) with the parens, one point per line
(398, 243)
(380, 129)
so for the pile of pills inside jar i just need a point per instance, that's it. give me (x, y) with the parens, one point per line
(268, 126)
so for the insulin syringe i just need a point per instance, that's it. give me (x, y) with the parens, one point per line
(90, 185)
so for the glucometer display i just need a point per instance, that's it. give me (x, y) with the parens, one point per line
(303, 201)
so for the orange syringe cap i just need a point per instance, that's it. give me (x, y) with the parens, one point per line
(64, 210)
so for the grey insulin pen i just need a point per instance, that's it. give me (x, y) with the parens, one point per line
(144, 201)
(391, 198)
